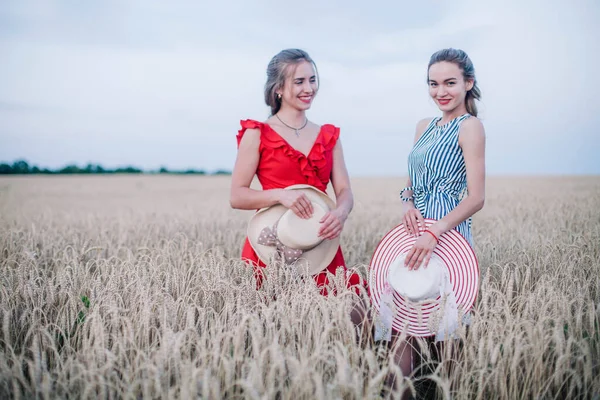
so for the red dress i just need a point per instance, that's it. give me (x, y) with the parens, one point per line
(279, 166)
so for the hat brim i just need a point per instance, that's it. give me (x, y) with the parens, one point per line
(458, 257)
(312, 261)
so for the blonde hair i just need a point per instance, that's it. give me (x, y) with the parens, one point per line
(462, 60)
(277, 72)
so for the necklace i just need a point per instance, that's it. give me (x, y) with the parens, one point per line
(291, 127)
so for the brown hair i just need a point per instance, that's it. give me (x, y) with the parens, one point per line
(462, 60)
(277, 71)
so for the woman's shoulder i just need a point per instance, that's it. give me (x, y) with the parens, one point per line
(472, 121)
(471, 129)
(251, 124)
(422, 124)
(250, 128)
(329, 128)
(329, 134)
(472, 124)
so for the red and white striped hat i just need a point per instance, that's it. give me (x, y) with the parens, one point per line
(455, 254)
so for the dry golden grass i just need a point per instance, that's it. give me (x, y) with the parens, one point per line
(173, 313)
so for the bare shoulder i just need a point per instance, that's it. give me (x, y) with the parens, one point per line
(251, 137)
(314, 125)
(472, 124)
(471, 129)
(422, 124)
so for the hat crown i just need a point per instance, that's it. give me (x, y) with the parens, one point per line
(420, 284)
(300, 233)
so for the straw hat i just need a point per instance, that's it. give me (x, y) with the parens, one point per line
(427, 301)
(277, 231)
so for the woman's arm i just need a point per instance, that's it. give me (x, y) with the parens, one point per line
(412, 217)
(472, 141)
(340, 180)
(244, 198)
(419, 130)
(241, 196)
(333, 222)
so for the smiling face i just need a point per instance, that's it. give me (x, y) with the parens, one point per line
(300, 86)
(447, 86)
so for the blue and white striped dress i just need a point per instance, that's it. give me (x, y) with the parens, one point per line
(437, 171)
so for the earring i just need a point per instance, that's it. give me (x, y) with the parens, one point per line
(279, 96)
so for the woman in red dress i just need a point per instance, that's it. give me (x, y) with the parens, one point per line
(289, 149)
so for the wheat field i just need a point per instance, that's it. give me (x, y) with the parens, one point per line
(131, 287)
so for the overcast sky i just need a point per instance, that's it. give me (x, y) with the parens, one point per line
(152, 83)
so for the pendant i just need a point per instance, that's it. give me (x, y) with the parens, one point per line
(297, 134)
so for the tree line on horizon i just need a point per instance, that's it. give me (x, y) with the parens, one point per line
(22, 167)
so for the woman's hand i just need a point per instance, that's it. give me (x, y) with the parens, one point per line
(332, 224)
(421, 251)
(298, 202)
(412, 219)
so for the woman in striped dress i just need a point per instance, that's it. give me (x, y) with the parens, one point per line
(446, 165)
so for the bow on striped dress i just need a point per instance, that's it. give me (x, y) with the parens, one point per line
(437, 171)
